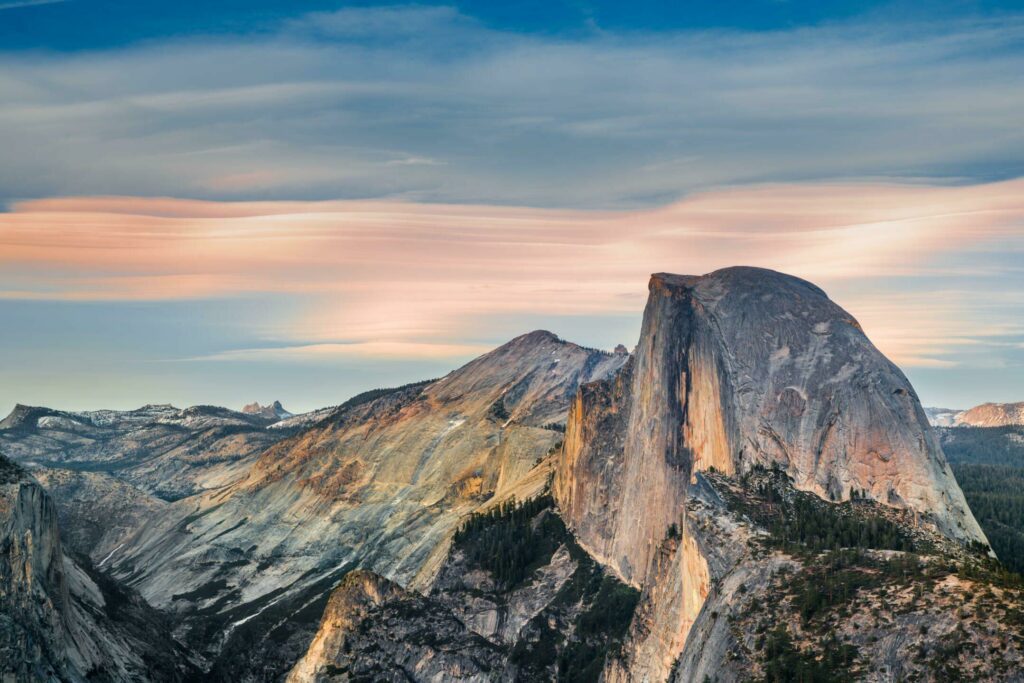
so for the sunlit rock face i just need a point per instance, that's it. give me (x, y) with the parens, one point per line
(381, 485)
(991, 415)
(740, 367)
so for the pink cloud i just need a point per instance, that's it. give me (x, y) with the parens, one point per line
(401, 274)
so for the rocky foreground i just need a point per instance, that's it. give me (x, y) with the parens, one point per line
(754, 490)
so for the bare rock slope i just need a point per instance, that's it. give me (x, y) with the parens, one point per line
(381, 485)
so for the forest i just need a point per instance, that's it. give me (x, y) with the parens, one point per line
(989, 466)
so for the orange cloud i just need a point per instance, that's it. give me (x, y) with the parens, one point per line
(392, 275)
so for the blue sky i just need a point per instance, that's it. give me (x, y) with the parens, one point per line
(873, 147)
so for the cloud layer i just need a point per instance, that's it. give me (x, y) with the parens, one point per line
(425, 103)
(921, 266)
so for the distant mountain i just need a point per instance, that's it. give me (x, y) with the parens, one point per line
(942, 417)
(166, 451)
(992, 415)
(984, 415)
(274, 411)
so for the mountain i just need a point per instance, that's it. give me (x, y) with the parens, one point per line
(942, 417)
(754, 493)
(381, 484)
(738, 369)
(275, 411)
(992, 415)
(160, 449)
(984, 415)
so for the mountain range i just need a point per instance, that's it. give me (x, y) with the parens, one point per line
(753, 493)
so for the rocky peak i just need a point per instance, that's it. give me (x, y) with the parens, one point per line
(272, 411)
(740, 368)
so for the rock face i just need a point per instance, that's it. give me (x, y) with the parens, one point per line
(739, 368)
(991, 415)
(275, 411)
(382, 485)
(34, 598)
(61, 621)
(410, 636)
(554, 619)
(904, 604)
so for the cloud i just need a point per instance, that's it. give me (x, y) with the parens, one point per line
(319, 353)
(927, 269)
(424, 103)
(27, 3)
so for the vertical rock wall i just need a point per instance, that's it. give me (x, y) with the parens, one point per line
(739, 367)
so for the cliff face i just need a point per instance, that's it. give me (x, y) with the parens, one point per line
(739, 368)
(515, 600)
(33, 592)
(62, 621)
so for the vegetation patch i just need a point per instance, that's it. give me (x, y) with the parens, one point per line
(511, 540)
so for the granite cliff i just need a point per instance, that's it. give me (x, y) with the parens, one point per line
(60, 619)
(740, 368)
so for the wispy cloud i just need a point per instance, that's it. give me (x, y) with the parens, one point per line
(399, 278)
(365, 103)
(320, 353)
(28, 3)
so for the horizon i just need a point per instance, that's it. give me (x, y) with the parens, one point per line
(302, 201)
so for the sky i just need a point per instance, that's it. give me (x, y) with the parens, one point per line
(235, 201)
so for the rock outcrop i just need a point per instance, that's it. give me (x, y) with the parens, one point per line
(891, 601)
(274, 411)
(61, 620)
(515, 600)
(740, 368)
